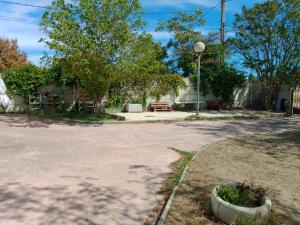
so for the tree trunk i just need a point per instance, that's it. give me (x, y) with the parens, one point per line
(100, 106)
(270, 93)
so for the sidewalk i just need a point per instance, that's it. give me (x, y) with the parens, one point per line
(179, 115)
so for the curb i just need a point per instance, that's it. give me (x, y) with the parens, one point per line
(163, 215)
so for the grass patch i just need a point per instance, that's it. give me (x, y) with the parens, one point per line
(71, 116)
(177, 168)
(171, 182)
(215, 118)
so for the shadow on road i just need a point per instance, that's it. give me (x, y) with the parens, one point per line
(237, 127)
(83, 202)
(38, 122)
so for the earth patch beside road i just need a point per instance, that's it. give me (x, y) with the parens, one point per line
(271, 160)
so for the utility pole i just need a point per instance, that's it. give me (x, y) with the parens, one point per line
(222, 34)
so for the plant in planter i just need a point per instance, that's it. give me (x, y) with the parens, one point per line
(241, 204)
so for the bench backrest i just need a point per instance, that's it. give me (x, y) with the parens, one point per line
(159, 104)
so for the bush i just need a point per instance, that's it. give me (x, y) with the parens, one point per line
(26, 80)
(219, 80)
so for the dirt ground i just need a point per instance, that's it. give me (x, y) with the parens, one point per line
(270, 160)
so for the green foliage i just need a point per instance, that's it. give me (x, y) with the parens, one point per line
(178, 167)
(183, 28)
(71, 116)
(90, 37)
(243, 195)
(267, 38)
(26, 80)
(220, 80)
(142, 72)
(229, 194)
(225, 80)
(94, 44)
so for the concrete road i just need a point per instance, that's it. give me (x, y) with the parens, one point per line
(53, 173)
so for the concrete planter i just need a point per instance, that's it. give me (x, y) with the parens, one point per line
(134, 108)
(229, 213)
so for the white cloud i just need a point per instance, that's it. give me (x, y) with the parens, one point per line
(27, 34)
(164, 35)
(160, 34)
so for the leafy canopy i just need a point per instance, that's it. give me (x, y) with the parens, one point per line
(90, 37)
(221, 81)
(143, 72)
(185, 34)
(10, 55)
(267, 38)
(26, 80)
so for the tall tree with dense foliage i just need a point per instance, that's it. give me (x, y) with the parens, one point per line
(220, 80)
(267, 38)
(185, 33)
(10, 55)
(91, 36)
(97, 42)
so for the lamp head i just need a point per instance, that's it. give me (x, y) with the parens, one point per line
(199, 47)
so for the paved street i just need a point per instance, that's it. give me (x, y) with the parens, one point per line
(52, 173)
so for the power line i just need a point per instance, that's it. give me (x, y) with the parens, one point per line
(23, 4)
(13, 19)
(175, 12)
(143, 13)
(21, 19)
(35, 22)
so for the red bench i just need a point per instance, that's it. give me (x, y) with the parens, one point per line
(216, 105)
(160, 106)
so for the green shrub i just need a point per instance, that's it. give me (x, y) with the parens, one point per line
(26, 80)
(242, 195)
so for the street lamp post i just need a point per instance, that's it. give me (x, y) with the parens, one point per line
(199, 47)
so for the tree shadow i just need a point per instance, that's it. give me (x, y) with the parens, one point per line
(278, 145)
(83, 203)
(235, 127)
(38, 122)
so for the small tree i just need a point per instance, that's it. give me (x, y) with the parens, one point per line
(267, 38)
(91, 36)
(10, 55)
(143, 72)
(183, 29)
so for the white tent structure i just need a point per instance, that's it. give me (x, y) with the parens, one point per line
(5, 101)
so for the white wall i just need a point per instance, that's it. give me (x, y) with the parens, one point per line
(185, 95)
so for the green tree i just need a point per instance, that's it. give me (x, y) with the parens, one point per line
(90, 36)
(143, 72)
(183, 28)
(221, 81)
(224, 81)
(267, 38)
(10, 55)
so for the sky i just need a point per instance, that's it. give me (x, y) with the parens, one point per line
(21, 22)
